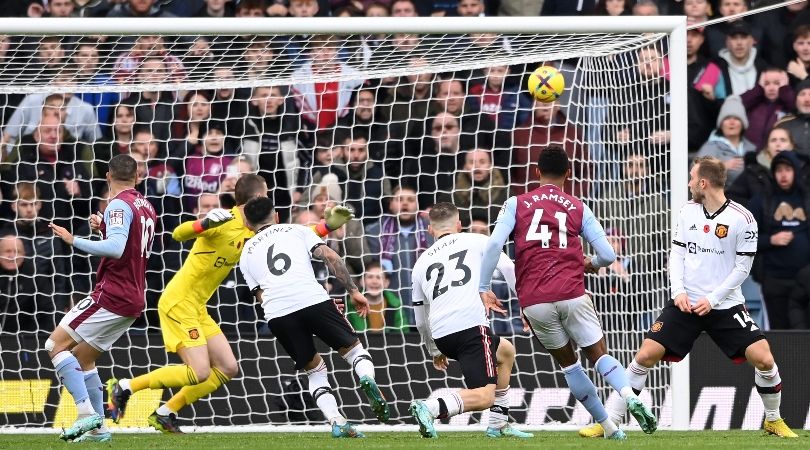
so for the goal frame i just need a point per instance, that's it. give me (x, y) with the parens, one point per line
(673, 26)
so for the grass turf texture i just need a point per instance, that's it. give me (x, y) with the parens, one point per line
(736, 440)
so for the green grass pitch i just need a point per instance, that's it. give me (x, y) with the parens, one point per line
(664, 440)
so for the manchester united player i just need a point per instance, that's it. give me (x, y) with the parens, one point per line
(550, 269)
(713, 248)
(119, 297)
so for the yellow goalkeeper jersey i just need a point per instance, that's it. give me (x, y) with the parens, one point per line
(212, 256)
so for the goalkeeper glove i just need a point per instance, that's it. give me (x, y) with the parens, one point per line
(215, 218)
(337, 216)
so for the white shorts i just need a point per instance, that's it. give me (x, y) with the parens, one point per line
(556, 323)
(90, 322)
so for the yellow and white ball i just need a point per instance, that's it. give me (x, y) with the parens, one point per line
(546, 84)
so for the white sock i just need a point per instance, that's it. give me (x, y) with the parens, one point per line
(499, 412)
(452, 403)
(769, 386)
(637, 375)
(609, 426)
(124, 383)
(321, 392)
(616, 408)
(360, 360)
(165, 411)
(85, 408)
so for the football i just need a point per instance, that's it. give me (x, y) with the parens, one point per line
(546, 84)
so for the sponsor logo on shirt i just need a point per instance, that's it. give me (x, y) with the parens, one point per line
(116, 218)
(693, 248)
(693, 227)
(721, 230)
(751, 235)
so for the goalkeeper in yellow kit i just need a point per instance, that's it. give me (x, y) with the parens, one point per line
(187, 327)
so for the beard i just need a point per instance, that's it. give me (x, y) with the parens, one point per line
(697, 196)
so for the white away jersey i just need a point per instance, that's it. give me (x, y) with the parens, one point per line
(278, 261)
(712, 244)
(445, 279)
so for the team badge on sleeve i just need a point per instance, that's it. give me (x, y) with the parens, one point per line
(721, 231)
(116, 218)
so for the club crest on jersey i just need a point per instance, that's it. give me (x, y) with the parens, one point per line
(193, 333)
(721, 231)
(116, 218)
(656, 327)
(706, 228)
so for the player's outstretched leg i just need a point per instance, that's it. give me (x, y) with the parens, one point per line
(616, 376)
(499, 412)
(95, 390)
(769, 387)
(120, 391)
(361, 362)
(321, 392)
(584, 390)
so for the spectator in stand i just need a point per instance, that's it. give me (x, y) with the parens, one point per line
(501, 102)
(195, 112)
(480, 189)
(367, 185)
(404, 8)
(366, 122)
(8, 71)
(138, 8)
(614, 8)
(756, 177)
(322, 103)
(51, 8)
(130, 65)
(799, 303)
(548, 125)
(272, 142)
(385, 308)
(85, 61)
(206, 202)
(767, 103)
(48, 60)
(44, 158)
(717, 35)
(205, 169)
(397, 240)
(200, 57)
(697, 11)
(432, 167)
(161, 178)
(780, 28)
(798, 67)
(328, 160)
(79, 118)
(408, 111)
(476, 130)
(728, 142)
(230, 107)
(568, 8)
(49, 256)
(258, 57)
(117, 141)
(217, 8)
(238, 167)
(799, 124)
(155, 109)
(646, 8)
(784, 241)
(18, 290)
(738, 60)
(709, 90)
(257, 8)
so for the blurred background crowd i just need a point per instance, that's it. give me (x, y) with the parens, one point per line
(390, 148)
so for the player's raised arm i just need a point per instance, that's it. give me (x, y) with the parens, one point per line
(593, 232)
(118, 218)
(503, 228)
(338, 268)
(193, 228)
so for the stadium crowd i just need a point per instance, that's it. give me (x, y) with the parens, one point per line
(390, 148)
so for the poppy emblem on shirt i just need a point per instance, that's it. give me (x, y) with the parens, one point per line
(193, 333)
(656, 327)
(721, 231)
(706, 228)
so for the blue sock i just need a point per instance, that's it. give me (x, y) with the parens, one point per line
(71, 375)
(583, 389)
(95, 390)
(613, 372)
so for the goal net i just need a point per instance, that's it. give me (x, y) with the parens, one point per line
(388, 122)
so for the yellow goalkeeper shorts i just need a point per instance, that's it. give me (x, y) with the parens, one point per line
(185, 324)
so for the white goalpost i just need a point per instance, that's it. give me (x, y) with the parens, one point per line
(334, 111)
